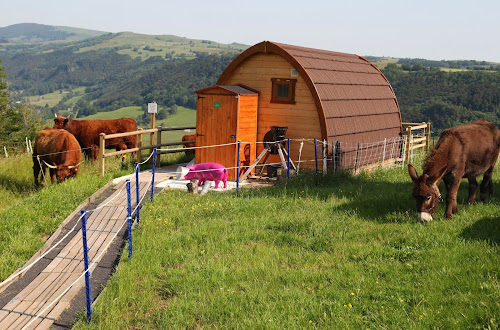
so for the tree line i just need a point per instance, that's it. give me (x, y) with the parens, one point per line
(445, 99)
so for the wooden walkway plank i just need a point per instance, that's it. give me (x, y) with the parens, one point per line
(40, 305)
(71, 247)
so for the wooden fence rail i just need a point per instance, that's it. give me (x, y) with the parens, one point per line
(139, 133)
(417, 141)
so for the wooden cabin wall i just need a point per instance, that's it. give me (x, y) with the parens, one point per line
(247, 127)
(301, 118)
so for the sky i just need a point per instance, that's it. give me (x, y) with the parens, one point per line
(430, 29)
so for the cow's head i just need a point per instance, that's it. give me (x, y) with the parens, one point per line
(426, 193)
(60, 122)
(64, 171)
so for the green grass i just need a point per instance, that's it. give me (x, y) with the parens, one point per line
(183, 117)
(133, 44)
(131, 112)
(329, 252)
(28, 216)
(51, 99)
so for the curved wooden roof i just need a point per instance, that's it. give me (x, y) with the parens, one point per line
(355, 101)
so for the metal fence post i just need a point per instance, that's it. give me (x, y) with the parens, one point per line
(153, 176)
(138, 207)
(288, 159)
(238, 168)
(88, 288)
(316, 154)
(357, 159)
(129, 219)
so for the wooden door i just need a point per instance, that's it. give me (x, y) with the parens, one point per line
(216, 124)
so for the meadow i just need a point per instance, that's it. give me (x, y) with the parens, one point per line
(335, 251)
(338, 251)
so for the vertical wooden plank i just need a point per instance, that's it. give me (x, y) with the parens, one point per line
(158, 141)
(102, 149)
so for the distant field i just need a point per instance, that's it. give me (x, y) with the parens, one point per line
(51, 99)
(183, 117)
(383, 61)
(145, 46)
(132, 112)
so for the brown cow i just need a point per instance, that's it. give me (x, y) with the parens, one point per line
(87, 133)
(58, 150)
(189, 137)
(465, 151)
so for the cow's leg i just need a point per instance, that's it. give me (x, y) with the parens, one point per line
(486, 184)
(472, 190)
(36, 171)
(217, 184)
(95, 152)
(52, 175)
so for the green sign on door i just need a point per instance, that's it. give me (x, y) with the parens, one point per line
(216, 104)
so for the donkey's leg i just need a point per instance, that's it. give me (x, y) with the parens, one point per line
(472, 190)
(452, 184)
(486, 184)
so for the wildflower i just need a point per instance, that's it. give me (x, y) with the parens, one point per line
(421, 317)
(310, 321)
(350, 305)
(353, 294)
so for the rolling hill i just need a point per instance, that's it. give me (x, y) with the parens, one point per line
(39, 33)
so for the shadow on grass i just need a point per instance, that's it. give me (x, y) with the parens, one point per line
(372, 197)
(485, 229)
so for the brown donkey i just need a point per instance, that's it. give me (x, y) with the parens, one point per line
(465, 151)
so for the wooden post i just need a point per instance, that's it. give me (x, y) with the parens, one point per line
(102, 150)
(158, 141)
(408, 141)
(152, 135)
(139, 144)
(428, 138)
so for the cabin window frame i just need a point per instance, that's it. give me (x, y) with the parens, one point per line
(290, 99)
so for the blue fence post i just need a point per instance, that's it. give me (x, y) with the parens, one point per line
(129, 219)
(153, 176)
(288, 159)
(138, 207)
(88, 288)
(316, 154)
(238, 168)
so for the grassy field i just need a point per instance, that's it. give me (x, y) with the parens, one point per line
(28, 216)
(145, 46)
(321, 252)
(339, 251)
(183, 117)
(41, 100)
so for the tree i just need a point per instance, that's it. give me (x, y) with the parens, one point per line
(4, 99)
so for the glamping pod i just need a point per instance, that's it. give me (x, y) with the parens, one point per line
(337, 97)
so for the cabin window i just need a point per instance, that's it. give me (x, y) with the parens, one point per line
(283, 90)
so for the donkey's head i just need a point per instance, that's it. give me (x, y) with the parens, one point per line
(426, 193)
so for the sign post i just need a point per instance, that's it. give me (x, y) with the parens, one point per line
(152, 109)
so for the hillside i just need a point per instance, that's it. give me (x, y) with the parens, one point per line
(114, 70)
(39, 33)
(108, 71)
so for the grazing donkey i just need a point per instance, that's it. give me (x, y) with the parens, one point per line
(465, 151)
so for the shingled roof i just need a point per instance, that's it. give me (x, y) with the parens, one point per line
(355, 101)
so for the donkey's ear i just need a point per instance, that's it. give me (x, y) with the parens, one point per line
(413, 172)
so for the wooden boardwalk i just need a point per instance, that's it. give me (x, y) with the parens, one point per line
(38, 298)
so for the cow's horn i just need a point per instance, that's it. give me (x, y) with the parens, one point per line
(73, 166)
(55, 115)
(48, 165)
